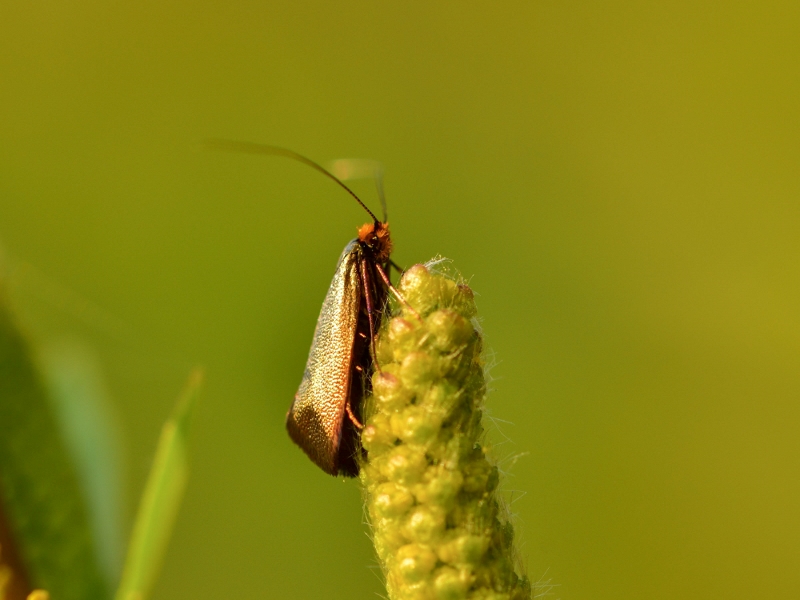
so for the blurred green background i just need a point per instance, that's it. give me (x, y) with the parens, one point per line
(619, 180)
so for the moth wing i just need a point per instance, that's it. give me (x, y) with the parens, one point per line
(315, 419)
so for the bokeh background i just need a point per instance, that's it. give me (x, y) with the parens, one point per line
(618, 180)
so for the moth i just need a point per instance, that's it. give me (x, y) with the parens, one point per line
(325, 416)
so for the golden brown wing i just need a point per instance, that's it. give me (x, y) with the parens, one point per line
(315, 419)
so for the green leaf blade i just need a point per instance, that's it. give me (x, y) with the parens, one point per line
(41, 497)
(161, 499)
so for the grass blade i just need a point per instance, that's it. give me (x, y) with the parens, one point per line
(160, 500)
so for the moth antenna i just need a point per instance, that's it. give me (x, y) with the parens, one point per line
(400, 270)
(347, 169)
(253, 148)
(379, 186)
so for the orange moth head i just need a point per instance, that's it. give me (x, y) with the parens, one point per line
(375, 236)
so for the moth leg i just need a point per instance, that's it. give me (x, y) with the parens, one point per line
(366, 284)
(350, 414)
(393, 289)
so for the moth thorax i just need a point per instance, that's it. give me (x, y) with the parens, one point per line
(375, 236)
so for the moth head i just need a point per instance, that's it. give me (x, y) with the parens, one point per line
(375, 236)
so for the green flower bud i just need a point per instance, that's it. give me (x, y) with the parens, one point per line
(464, 301)
(403, 336)
(415, 425)
(387, 539)
(383, 350)
(420, 590)
(439, 530)
(425, 524)
(377, 436)
(414, 562)
(448, 289)
(448, 329)
(444, 487)
(418, 368)
(443, 396)
(450, 584)
(389, 391)
(404, 465)
(420, 288)
(390, 500)
(464, 550)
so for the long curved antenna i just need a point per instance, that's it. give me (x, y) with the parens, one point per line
(253, 148)
(347, 169)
